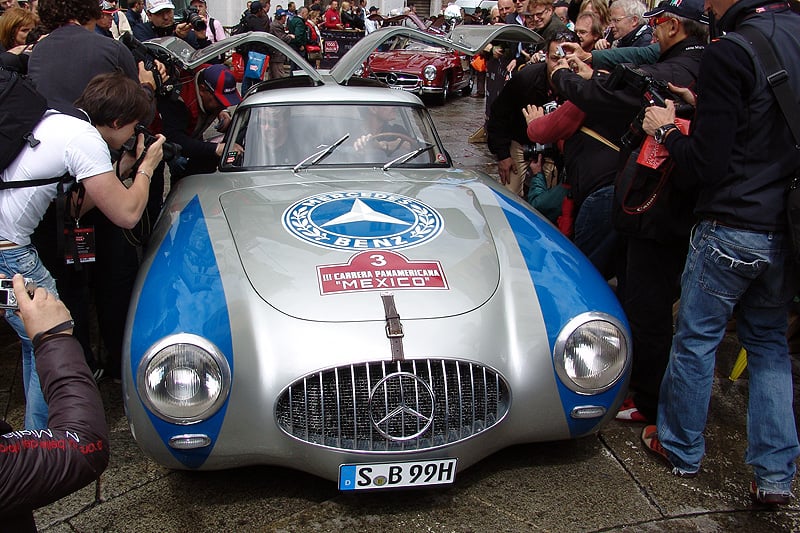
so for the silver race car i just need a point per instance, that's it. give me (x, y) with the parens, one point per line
(339, 299)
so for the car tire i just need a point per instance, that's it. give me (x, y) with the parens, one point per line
(445, 89)
(466, 91)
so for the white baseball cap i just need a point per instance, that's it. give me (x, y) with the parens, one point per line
(154, 6)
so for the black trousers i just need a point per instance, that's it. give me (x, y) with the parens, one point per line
(651, 285)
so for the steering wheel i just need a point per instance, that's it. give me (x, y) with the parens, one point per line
(393, 136)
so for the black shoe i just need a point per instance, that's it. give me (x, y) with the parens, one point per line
(768, 498)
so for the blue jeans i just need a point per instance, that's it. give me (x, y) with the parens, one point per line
(25, 261)
(595, 235)
(726, 267)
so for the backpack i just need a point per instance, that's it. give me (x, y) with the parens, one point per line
(21, 109)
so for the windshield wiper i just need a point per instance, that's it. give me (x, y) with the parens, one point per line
(318, 156)
(406, 157)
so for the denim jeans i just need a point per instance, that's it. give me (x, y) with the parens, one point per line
(595, 235)
(25, 261)
(726, 267)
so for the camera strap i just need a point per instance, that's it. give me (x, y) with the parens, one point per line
(596, 136)
(777, 77)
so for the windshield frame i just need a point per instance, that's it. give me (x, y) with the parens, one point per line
(414, 118)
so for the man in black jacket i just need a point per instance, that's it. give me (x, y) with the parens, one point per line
(650, 267)
(40, 467)
(740, 156)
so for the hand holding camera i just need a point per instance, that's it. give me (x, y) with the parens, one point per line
(8, 298)
(42, 312)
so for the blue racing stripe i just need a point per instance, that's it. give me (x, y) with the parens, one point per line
(183, 293)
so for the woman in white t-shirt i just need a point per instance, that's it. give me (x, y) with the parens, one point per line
(114, 104)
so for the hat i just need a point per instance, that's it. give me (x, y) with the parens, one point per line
(690, 9)
(280, 12)
(315, 7)
(373, 8)
(256, 7)
(108, 8)
(154, 6)
(220, 80)
(560, 3)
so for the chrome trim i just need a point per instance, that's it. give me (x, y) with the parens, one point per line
(194, 340)
(565, 333)
(393, 406)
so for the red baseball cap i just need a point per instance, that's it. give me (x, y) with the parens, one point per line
(220, 80)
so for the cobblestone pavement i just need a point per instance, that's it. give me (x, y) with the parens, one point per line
(600, 483)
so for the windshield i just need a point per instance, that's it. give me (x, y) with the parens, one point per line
(291, 135)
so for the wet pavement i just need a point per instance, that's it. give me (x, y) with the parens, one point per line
(605, 482)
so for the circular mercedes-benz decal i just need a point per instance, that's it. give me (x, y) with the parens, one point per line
(362, 220)
(401, 406)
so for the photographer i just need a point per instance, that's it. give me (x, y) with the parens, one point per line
(740, 156)
(67, 145)
(61, 66)
(506, 127)
(161, 23)
(203, 99)
(648, 278)
(38, 469)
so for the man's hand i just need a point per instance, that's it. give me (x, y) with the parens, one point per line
(183, 29)
(41, 312)
(657, 116)
(146, 77)
(602, 44)
(224, 121)
(579, 67)
(536, 164)
(532, 112)
(575, 49)
(505, 167)
(684, 93)
(221, 146)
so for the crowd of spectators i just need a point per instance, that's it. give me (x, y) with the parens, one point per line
(579, 158)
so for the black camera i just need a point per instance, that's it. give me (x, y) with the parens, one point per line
(532, 151)
(653, 91)
(170, 150)
(147, 56)
(193, 17)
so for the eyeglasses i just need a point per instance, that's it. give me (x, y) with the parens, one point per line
(655, 21)
(539, 15)
(617, 20)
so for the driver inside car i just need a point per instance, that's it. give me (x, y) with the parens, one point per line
(383, 133)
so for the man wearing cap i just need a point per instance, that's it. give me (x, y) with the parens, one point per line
(371, 24)
(161, 23)
(647, 261)
(203, 99)
(741, 156)
(277, 60)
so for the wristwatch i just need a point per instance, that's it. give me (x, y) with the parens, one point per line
(661, 133)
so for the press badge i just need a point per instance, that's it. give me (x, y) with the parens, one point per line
(80, 242)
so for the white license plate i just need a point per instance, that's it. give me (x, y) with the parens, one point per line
(372, 476)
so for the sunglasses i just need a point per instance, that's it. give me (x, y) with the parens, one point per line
(655, 21)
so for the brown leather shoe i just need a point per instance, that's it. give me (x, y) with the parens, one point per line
(768, 498)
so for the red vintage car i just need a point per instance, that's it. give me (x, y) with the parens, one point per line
(423, 68)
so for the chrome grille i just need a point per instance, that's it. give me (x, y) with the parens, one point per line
(393, 406)
(400, 80)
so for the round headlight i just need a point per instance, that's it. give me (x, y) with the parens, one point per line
(429, 72)
(591, 353)
(183, 379)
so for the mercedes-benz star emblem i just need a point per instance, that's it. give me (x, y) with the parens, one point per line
(391, 79)
(401, 406)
